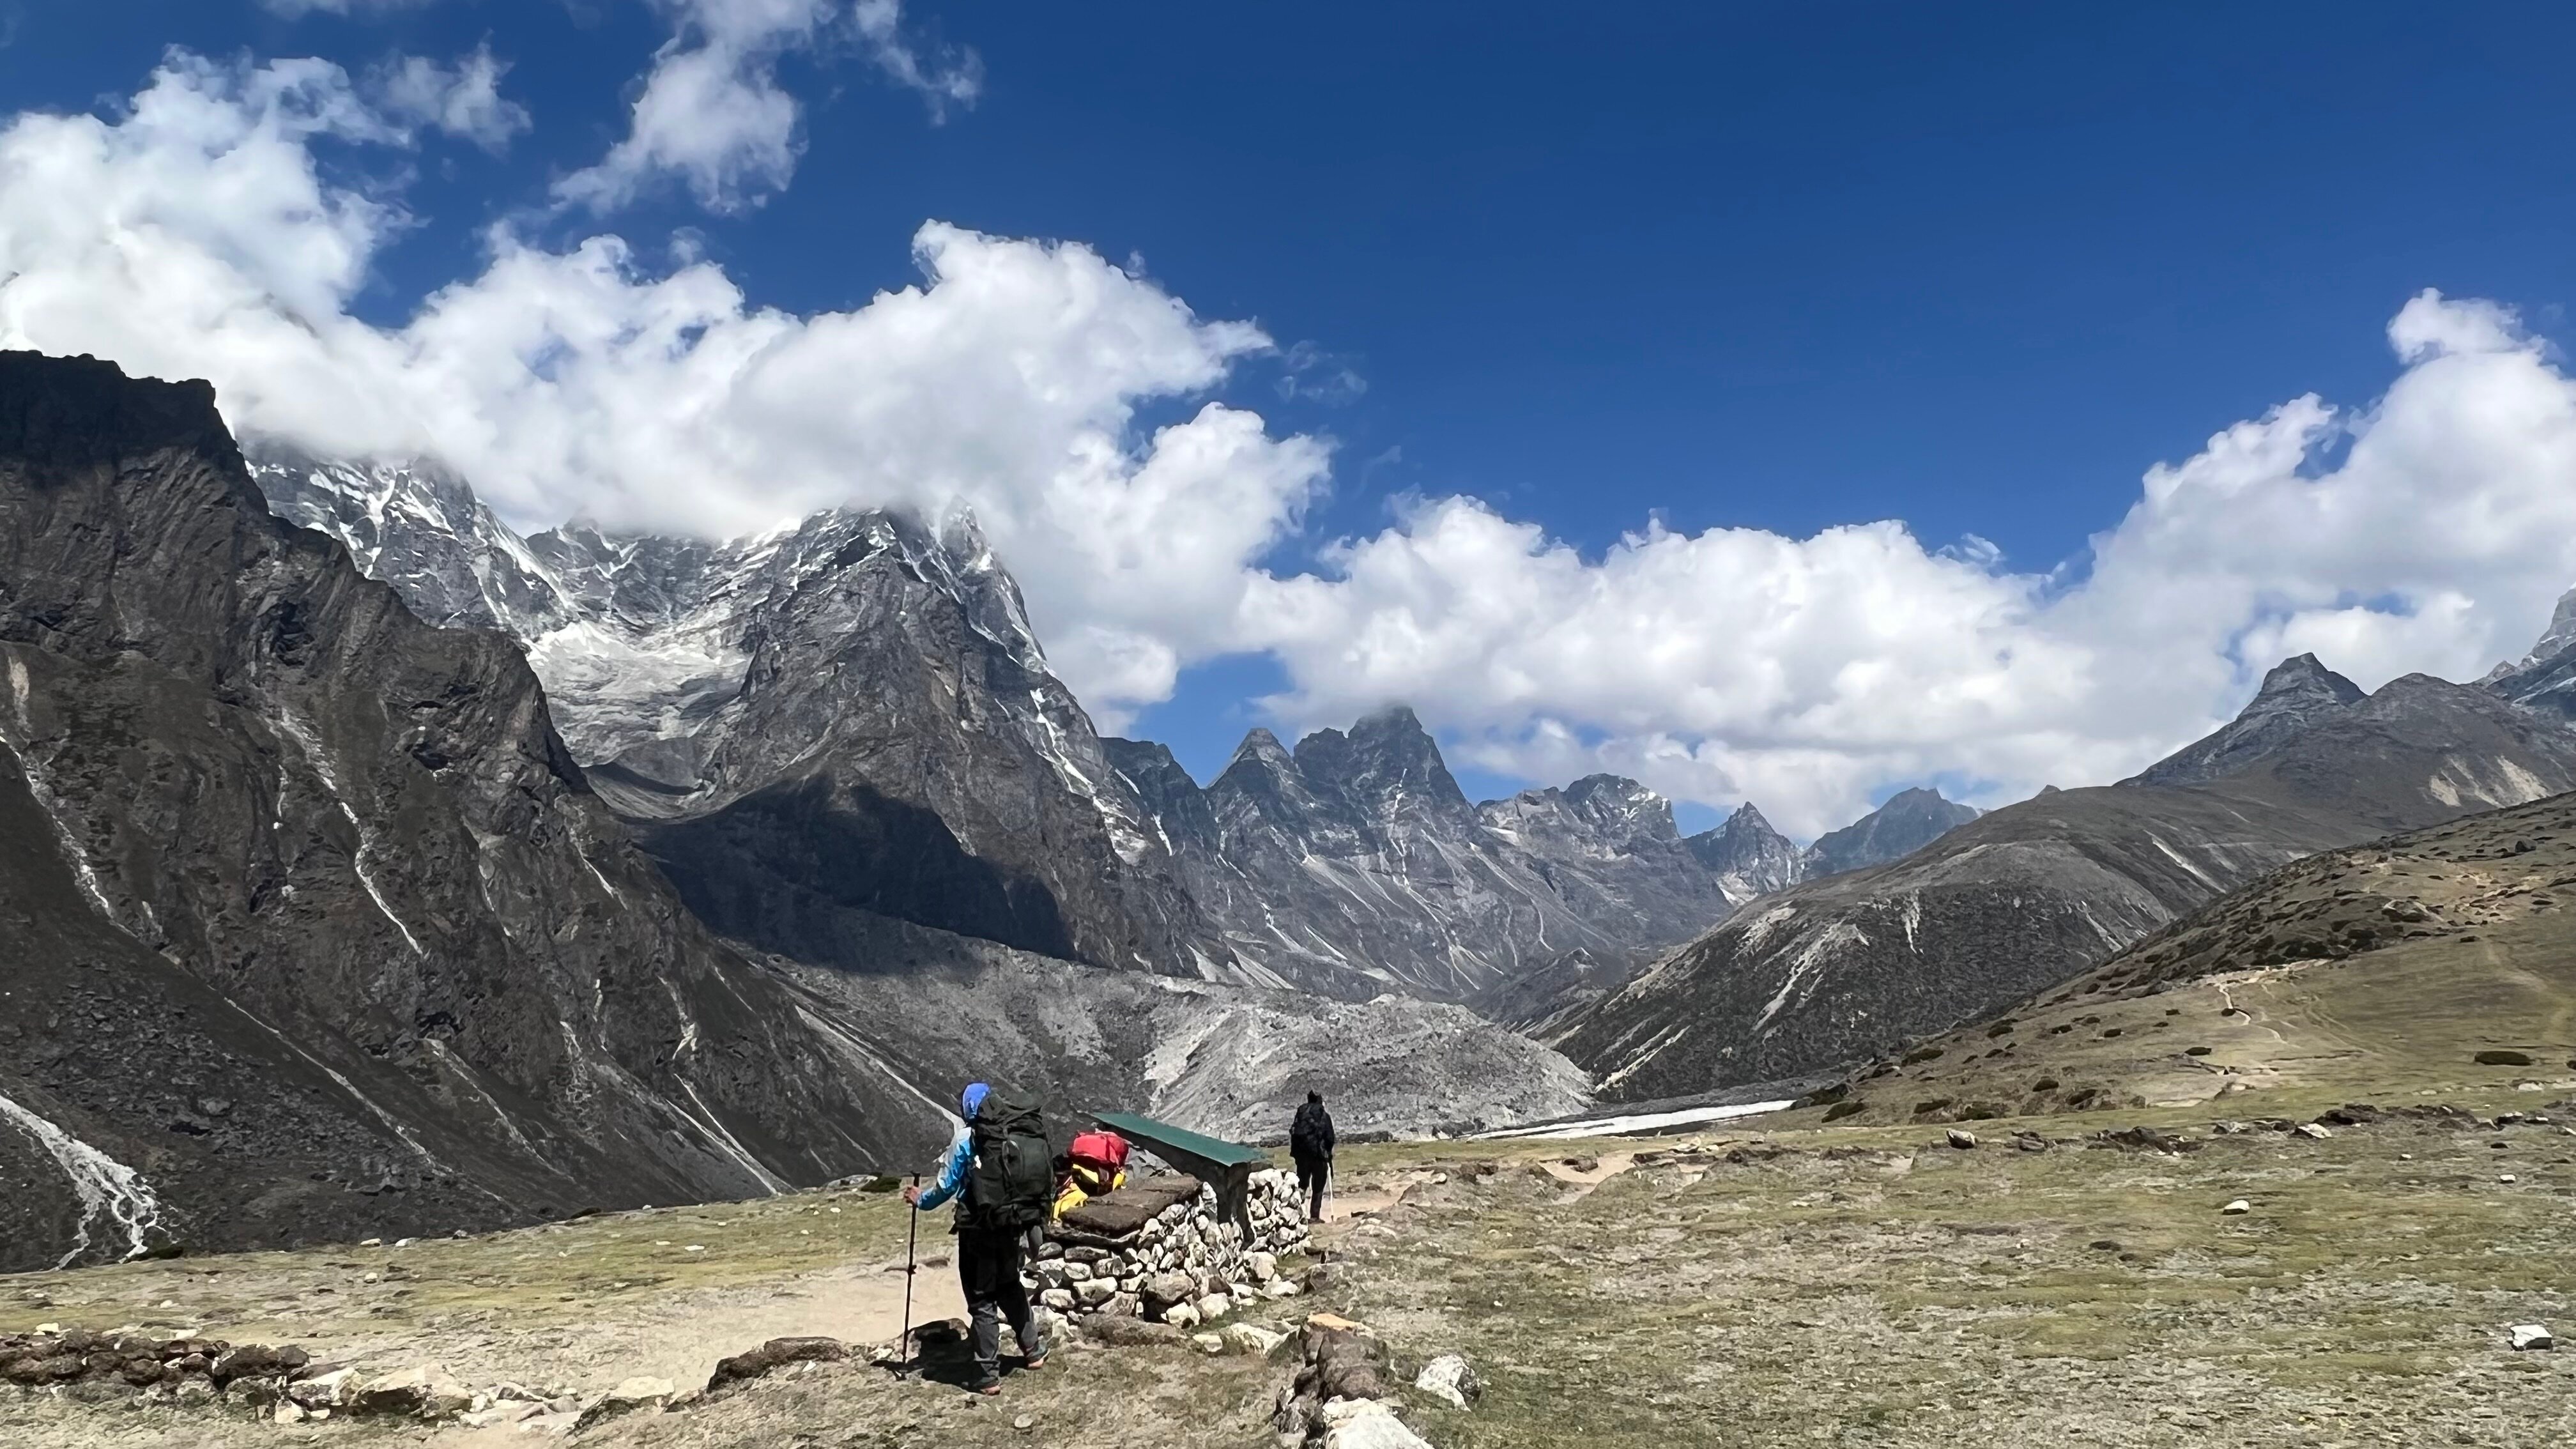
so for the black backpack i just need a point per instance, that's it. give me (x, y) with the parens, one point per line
(1011, 1183)
(1310, 1133)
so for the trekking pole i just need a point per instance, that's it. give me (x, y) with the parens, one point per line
(911, 1241)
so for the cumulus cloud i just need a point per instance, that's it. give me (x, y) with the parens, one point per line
(193, 235)
(206, 242)
(712, 114)
(464, 100)
(2427, 532)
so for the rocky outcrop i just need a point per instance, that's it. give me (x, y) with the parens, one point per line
(312, 920)
(1837, 968)
(1354, 864)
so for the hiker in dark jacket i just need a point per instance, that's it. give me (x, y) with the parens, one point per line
(990, 1235)
(1310, 1142)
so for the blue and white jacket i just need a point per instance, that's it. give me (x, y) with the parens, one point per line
(951, 1179)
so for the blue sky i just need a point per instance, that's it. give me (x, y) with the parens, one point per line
(1773, 267)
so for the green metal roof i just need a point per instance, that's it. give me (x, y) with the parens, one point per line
(1147, 1132)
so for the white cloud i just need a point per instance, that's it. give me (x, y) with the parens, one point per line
(194, 236)
(1801, 672)
(948, 77)
(712, 114)
(463, 100)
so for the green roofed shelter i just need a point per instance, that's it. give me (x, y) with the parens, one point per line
(1225, 1166)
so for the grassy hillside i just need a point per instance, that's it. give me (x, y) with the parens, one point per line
(2380, 972)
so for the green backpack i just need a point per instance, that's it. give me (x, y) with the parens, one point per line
(1011, 1183)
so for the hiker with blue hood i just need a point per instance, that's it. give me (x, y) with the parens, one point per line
(1000, 1171)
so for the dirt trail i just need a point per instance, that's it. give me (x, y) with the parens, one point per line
(1605, 1167)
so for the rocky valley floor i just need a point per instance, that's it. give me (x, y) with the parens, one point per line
(1837, 1285)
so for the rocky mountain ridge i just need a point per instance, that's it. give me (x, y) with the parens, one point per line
(312, 919)
(1354, 864)
(852, 714)
(2544, 679)
(1833, 969)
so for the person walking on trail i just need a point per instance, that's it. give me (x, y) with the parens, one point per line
(1000, 1172)
(1310, 1142)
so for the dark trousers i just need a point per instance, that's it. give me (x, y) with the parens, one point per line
(988, 1268)
(1311, 1172)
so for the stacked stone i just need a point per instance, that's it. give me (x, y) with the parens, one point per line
(1184, 1266)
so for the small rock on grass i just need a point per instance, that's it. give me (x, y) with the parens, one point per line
(2315, 1131)
(1449, 1377)
(1962, 1138)
(2532, 1335)
(2237, 1208)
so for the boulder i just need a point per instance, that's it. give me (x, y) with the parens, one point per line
(1261, 1267)
(1163, 1290)
(425, 1391)
(1059, 1299)
(1962, 1138)
(1181, 1316)
(634, 1395)
(1366, 1424)
(258, 1359)
(773, 1355)
(1251, 1339)
(324, 1387)
(1095, 1292)
(1210, 1344)
(1449, 1377)
(1214, 1306)
(1130, 1332)
(2532, 1336)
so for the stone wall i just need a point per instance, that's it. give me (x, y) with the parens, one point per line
(1186, 1265)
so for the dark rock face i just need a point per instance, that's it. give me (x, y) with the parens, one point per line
(1537, 999)
(1748, 857)
(2296, 694)
(2545, 679)
(1909, 821)
(2027, 896)
(314, 925)
(1355, 865)
(853, 709)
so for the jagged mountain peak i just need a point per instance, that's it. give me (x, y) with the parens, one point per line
(1747, 856)
(1611, 812)
(1909, 820)
(1747, 816)
(2302, 677)
(1388, 762)
(1260, 753)
(2295, 693)
(2545, 679)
